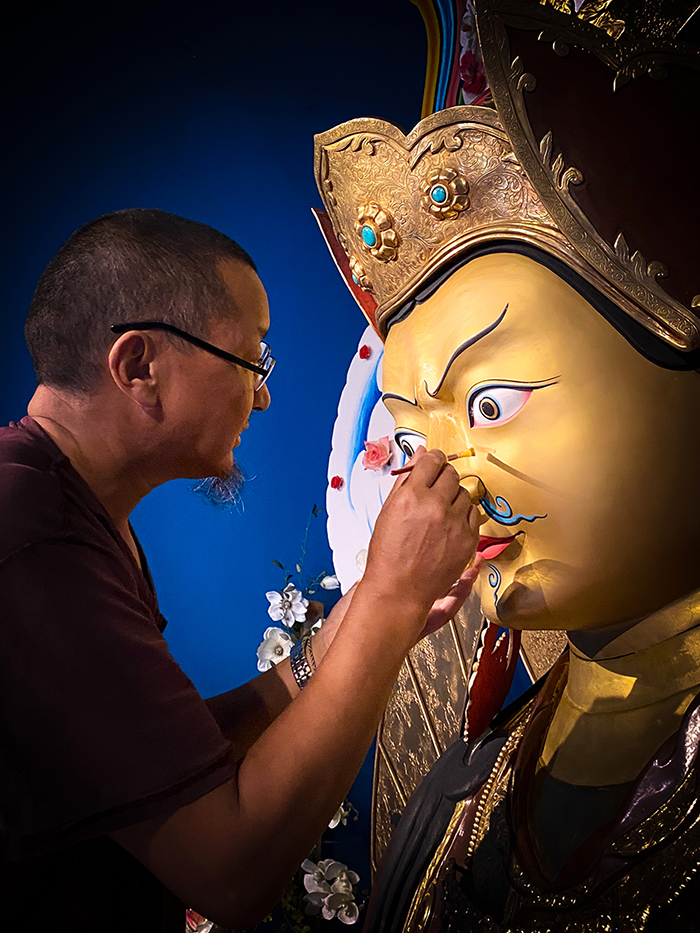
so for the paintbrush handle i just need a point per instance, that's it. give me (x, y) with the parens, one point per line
(469, 452)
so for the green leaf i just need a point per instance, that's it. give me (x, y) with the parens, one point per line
(277, 564)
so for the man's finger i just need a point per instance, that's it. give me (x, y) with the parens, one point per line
(427, 467)
(447, 483)
(447, 608)
(401, 479)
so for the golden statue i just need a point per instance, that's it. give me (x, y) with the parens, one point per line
(531, 265)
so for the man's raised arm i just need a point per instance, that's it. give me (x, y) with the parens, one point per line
(230, 853)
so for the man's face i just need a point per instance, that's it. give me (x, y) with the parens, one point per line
(214, 398)
(588, 453)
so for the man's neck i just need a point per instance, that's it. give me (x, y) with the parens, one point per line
(89, 431)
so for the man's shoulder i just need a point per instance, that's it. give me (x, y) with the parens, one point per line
(31, 496)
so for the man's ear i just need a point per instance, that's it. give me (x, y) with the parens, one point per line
(131, 365)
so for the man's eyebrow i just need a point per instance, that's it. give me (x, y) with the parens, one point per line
(465, 346)
(399, 398)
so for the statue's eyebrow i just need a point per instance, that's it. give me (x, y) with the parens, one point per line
(399, 398)
(465, 346)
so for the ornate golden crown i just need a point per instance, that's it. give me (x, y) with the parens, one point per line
(404, 206)
(399, 207)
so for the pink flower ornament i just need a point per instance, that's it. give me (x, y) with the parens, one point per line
(377, 453)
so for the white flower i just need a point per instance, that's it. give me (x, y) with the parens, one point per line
(288, 607)
(341, 816)
(275, 647)
(329, 886)
(330, 583)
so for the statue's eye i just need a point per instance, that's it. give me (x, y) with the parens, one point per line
(408, 442)
(492, 405)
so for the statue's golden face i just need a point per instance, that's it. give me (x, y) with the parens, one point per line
(589, 455)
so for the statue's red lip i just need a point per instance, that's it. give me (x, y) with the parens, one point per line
(492, 547)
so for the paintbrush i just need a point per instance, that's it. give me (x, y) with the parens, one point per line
(469, 452)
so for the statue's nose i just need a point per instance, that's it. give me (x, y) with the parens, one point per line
(472, 483)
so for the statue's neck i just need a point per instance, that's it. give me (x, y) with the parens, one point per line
(625, 696)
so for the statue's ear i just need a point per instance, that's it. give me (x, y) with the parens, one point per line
(367, 304)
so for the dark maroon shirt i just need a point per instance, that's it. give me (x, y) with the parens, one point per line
(99, 726)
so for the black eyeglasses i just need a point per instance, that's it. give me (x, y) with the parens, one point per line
(262, 368)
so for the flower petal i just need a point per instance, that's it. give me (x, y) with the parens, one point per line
(314, 886)
(341, 885)
(315, 898)
(333, 869)
(349, 913)
(338, 900)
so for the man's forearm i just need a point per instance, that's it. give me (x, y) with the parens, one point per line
(244, 713)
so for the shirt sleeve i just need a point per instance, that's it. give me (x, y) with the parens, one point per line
(99, 726)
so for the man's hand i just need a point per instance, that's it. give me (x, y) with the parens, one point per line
(423, 539)
(442, 611)
(447, 608)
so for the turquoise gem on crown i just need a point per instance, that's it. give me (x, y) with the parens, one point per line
(439, 194)
(369, 236)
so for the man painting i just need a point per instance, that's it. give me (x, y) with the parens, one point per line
(122, 792)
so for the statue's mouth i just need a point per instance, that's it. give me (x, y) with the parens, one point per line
(492, 547)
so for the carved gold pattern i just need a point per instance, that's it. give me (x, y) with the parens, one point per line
(455, 194)
(628, 20)
(539, 651)
(595, 12)
(422, 719)
(425, 897)
(628, 280)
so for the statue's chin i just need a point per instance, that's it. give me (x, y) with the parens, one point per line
(526, 602)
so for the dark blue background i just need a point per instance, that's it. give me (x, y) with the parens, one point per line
(208, 109)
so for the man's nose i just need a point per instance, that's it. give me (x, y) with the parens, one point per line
(261, 399)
